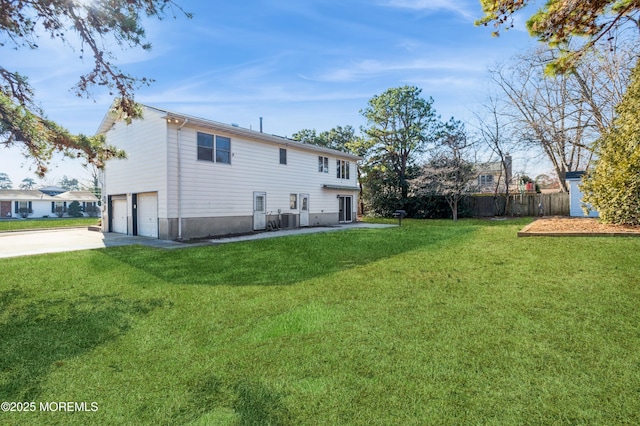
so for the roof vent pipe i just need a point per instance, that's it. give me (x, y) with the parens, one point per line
(260, 124)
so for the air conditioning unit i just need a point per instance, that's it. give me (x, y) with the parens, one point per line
(288, 220)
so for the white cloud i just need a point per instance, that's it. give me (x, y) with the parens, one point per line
(433, 6)
(369, 68)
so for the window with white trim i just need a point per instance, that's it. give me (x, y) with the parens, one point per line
(23, 206)
(208, 145)
(342, 169)
(323, 164)
(59, 207)
(283, 156)
(485, 180)
(293, 201)
(223, 150)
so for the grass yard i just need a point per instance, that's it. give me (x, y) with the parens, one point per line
(23, 224)
(431, 323)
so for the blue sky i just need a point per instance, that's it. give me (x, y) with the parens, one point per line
(298, 64)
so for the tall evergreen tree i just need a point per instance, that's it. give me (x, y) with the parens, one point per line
(612, 187)
(96, 24)
(5, 181)
(557, 22)
(27, 183)
(401, 125)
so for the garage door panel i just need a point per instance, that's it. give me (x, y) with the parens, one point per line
(119, 216)
(148, 215)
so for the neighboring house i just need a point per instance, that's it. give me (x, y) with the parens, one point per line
(16, 203)
(492, 174)
(187, 177)
(575, 196)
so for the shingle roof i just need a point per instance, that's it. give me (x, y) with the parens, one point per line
(36, 195)
(573, 175)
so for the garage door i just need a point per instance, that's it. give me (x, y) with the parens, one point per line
(148, 215)
(119, 216)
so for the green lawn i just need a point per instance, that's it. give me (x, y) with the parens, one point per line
(431, 323)
(23, 224)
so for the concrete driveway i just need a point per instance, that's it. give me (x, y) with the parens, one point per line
(26, 243)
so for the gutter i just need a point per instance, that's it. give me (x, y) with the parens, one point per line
(252, 134)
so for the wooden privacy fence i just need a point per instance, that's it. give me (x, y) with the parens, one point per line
(527, 204)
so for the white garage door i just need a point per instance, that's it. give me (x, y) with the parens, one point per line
(148, 215)
(119, 216)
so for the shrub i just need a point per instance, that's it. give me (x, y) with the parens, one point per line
(92, 211)
(24, 212)
(75, 209)
(612, 187)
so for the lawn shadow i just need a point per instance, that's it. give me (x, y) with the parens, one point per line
(239, 401)
(41, 335)
(286, 260)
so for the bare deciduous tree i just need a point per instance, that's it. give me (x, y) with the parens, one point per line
(497, 134)
(563, 115)
(448, 173)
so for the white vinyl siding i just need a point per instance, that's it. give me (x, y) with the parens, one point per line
(156, 163)
(146, 167)
(211, 189)
(41, 208)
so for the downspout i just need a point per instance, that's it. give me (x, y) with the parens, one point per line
(180, 181)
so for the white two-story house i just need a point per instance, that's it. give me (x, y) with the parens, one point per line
(186, 177)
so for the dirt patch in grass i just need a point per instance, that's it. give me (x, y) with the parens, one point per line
(576, 226)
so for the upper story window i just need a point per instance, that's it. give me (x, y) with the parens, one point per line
(223, 150)
(342, 169)
(283, 156)
(210, 144)
(323, 164)
(485, 180)
(205, 147)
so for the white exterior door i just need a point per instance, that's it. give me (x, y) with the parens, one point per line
(304, 209)
(148, 215)
(119, 216)
(259, 210)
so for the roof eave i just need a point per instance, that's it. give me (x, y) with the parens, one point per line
(253, 134)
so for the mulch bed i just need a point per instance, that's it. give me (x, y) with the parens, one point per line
(576, 227)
